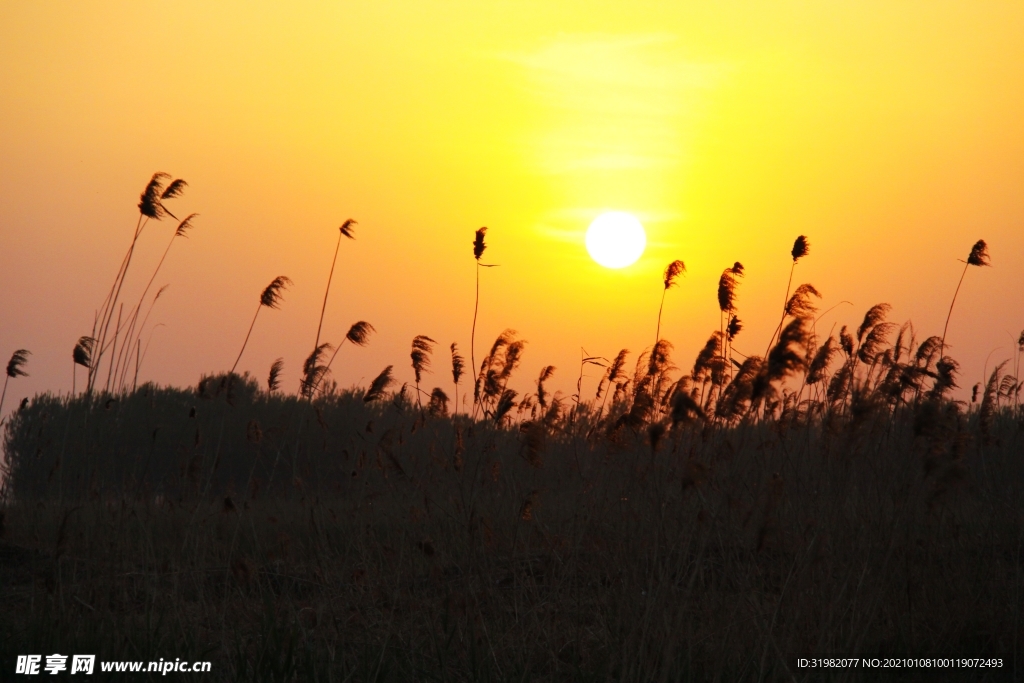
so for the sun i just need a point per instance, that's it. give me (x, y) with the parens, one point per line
(616, 239)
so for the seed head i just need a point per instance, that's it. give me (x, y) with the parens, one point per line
(458, 364)
(379, 385)
(82, 354)
(184, 226)
(274, 379)
(359, 333)
(735, 325)
(673, 271)
(149, 200)
(727, 287)
(18, 358)
(175, 189)
(422, 347)
(271, 296)
(347, 229)
(478, 243)
(979, 254)
(800, 248)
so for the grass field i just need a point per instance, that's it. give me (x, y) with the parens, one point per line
(341, 539)
(830, 498)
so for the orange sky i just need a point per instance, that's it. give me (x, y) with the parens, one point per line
(891, 133)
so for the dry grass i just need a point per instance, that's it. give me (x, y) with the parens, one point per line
(293, 541)
(828, 498)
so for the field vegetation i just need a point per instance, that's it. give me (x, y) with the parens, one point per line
(705, 523)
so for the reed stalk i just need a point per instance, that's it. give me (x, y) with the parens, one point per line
(346, 230)
(800, 249)
(14, 369)
(978, 257)
(271, 297)
(672, 272)
(479, 245)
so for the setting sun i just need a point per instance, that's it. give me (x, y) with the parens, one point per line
(616, 239)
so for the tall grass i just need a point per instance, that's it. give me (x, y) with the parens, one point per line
(672, 273)
(978, 257)
(704, 523)
(151, 207)
(271, 297)
(396, 544)
(347, 229)
(14, 369)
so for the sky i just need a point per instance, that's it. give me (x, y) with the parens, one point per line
(890, 133)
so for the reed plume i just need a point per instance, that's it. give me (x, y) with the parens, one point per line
(347, 229)
(438, 404)
(542, 394)
(824, 356)
(478, 250)
(990, 402)
(379, 385)
(458, 368)
(313, 371)
(488, 382)
(727, 284)
(672, 273)
(14, 369)
(801, 247)
(684, 409)
(737, 397)
(358, 334)
(734, 328)
(614, 376)
(151, 206)
(274, 378)
(727, 287)
(800, 304)
(422, 347)
(978, 257)
(506, 402)
(787, 357)
(81, 355)
(271, 297)
(946, 370)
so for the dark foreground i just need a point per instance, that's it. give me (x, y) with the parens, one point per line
(372, 542)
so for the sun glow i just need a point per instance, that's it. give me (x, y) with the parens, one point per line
(616, 239)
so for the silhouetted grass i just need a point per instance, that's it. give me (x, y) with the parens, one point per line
(830, 497)
(369, 539)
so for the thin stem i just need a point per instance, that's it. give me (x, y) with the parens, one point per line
(338, 348)
(119, 282)
(472, 334)
(330, 277)
(138, 348)
(253, 324)
(942, 345)
(138, 308)
(657, 334)
(3, 396)
(111, 370)
(785, 304)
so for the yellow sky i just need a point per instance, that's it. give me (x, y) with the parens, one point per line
(888, 132)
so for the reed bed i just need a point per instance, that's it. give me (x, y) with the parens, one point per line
(713, 523)
(370, 540)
